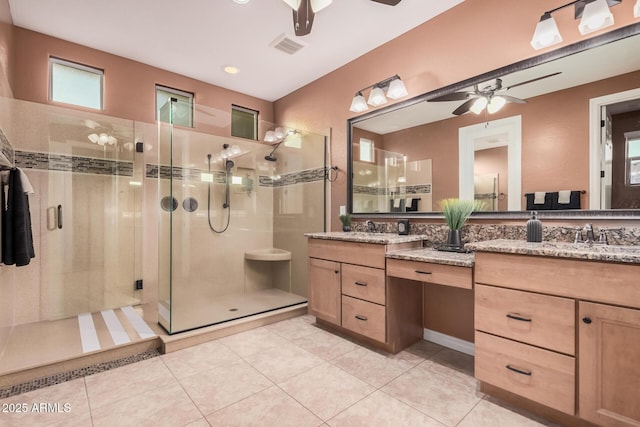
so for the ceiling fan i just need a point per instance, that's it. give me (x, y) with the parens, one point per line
(489, 97)
(304, 11)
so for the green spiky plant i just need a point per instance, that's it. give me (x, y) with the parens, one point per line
(457, 211)
(345, 220)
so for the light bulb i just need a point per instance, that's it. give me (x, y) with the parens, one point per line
(496, 103)
(358, 103)
(479, 105)
(376, 97)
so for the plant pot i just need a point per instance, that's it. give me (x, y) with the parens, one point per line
(453, 239)
(346, 228)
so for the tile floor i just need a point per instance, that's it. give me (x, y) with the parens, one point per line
(289, 373)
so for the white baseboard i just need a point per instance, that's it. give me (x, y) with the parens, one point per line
(450, 342)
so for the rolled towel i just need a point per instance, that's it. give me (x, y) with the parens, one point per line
(538, 197)
(564, 197)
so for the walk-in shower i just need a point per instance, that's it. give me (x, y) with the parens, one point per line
(208, 277)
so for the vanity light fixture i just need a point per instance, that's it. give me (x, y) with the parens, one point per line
(593, 14)
(395, 90)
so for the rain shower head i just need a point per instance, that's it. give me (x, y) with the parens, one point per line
(228, 164)
(270, 157)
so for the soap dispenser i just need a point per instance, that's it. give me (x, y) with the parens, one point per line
(534, 228)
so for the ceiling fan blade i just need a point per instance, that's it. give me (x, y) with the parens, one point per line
(303, 18)
(513, 99)
(453, 96)
(465, 107)
(388, 2)
(533, 80)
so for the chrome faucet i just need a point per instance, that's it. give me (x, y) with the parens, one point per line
(373, 228)
(590, 237)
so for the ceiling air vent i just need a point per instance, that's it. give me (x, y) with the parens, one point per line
(286, 44)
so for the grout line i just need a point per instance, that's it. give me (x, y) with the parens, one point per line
(88, 334)
(116, 330)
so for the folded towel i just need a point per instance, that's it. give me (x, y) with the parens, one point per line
(396, 203)
(26, 184)
(538, 198)
(409, 201)
(564, 196)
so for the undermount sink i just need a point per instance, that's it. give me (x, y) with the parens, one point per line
(268, 254)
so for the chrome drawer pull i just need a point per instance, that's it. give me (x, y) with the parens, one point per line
(519, 317)
(361, 317)
(361, 283)
(423, 272)
(519, 371)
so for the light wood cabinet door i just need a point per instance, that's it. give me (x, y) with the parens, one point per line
(324, 290)
(609, 374)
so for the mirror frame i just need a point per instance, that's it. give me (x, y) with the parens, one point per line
(601, 40)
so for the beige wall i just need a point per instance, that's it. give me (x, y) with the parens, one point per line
(479, 35)
(129, 86)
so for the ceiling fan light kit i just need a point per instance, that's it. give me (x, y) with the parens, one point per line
(395, 90)
(594, 15)
(636, 9)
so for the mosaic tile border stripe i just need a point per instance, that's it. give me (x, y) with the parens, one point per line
(180, 173)
(406, 189)
(75, 374)
(6, 148)
(76, 164)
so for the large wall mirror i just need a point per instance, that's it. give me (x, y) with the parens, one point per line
(573, 145)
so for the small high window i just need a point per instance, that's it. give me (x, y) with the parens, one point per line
(633, 158)
(367, 152)
(75, 84)
(182, 113)
(244, 122)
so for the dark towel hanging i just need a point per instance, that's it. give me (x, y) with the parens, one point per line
(17, 239)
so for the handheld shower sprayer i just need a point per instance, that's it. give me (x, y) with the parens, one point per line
(228, 165)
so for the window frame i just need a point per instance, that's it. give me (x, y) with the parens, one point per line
(631, 137)
(235, 107)
(178, 92)
(77, 66)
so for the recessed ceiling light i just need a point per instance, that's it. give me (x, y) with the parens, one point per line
(230, 69)
(241, 1)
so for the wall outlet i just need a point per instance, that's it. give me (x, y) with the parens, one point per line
(138, 284)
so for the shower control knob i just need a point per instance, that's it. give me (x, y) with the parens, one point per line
(586, 320)
(337, 271)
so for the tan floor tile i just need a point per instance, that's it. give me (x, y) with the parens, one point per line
(253, 341)
(488, 414)
(325, 345)
(326, 390)
(62, 403)
(372, 367)
(223, 385)
(293, 328)
(167, 406)
(271, 407)
(381, 410)
(189, 361)
(128, 381)
(202, 422)
(454, 359)
(420, 351)
(283, 362)
(81, 420)
(443, 397)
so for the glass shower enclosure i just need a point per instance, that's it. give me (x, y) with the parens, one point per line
(232, 217)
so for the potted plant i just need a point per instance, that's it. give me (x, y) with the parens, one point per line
(456, 212)
(346, 222)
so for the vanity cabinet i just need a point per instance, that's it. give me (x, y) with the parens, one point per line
(609, 391)
(530, 311)
(349, 292)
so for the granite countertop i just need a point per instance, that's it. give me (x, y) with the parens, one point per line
(434, 256)
(378, 238)
(612, 253)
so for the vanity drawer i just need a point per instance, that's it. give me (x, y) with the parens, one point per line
(364, 283)
(364, 317)
(440, 274)
(540, 375)
(541, 320)
(369, 254)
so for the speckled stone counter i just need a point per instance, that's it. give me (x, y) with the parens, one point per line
(434, 256)
(377, 238)
(622, 254)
